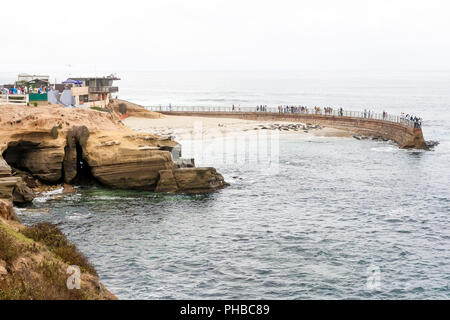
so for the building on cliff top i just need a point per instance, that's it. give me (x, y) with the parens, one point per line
(85, 91)
(99, 89)
(25, 77)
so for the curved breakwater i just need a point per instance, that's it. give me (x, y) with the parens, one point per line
(402, 132)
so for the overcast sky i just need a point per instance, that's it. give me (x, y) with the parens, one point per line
(225, 35)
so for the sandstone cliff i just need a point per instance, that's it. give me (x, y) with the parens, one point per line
(58, 144)
(128, 109)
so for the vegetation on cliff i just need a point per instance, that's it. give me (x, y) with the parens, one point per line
(34, 262)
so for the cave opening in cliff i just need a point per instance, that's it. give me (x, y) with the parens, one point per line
(84, 175)
(18, 155)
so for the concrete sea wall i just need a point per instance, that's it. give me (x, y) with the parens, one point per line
(404, 136)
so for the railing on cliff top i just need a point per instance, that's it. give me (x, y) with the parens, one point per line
(336, 113)
(20, 99)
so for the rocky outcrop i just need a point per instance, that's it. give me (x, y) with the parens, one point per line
(190, 180)
(128, 109)
(36, 152)
(56, 144)
(7, 211)
(128, 161)
(15, 190)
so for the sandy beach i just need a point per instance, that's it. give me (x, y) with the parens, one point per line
(188, 127)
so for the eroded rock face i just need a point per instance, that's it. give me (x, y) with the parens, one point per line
(21, 193)
(38, 153)
(7, 211)
(127, 161)
(131, 109)
(13, 189)
(167, 182)
(190, 180)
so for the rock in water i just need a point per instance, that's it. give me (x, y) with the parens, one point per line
(190, 180)
(432, 143)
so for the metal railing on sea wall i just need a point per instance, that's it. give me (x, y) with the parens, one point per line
(333, 113)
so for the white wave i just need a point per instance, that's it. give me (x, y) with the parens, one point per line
(78, 216)
(384, 149)
(31, 212)
(19, 211)
(45, 196)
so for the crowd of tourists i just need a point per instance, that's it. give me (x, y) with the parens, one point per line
(306, 110)
(24, 90)
(261, 108)
(416, 120)
(369, 114)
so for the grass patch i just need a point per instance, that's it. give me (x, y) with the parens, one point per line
(8, 247)
(99, 109)
(49, 235)
(122, 108)
(17, 235)
(51, 285)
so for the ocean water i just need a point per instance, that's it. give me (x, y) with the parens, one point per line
(339, 218)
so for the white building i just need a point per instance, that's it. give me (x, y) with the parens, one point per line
(29, 77)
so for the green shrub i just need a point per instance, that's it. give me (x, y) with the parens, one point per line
(49, 235)
(35, 104)
(54, 132)
(122, 108)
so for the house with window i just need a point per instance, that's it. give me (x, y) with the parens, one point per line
(99, 89)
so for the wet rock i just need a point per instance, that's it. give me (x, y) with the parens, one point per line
(68, 189)
(190, 180)
(167, 182)
(185, 163)
(22, 194)
(432, 143)
(13, 189)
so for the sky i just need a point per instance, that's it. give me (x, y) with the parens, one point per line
(204, 35)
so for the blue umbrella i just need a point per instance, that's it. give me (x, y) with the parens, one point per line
(70, 81)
